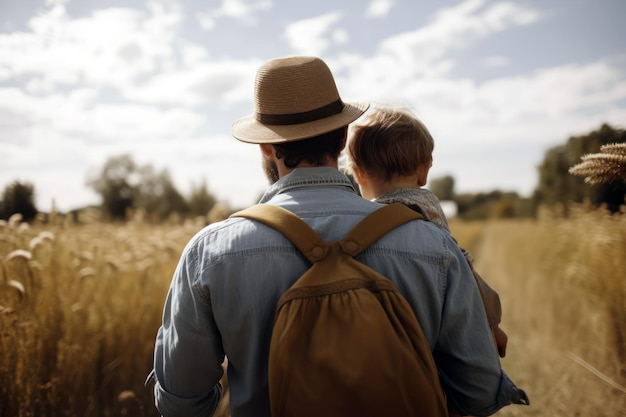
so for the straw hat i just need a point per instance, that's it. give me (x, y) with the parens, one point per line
(294, 98)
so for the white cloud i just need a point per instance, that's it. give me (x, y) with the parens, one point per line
(555, 92)
(67, 135)
(502, 15)
(309, 36)
(409, 66)
(241, 10)
(110, 47)
(507, 123)
(232, 168)
(378, 8)
(55, 2)
(78, 115)
(496, 61)
(452, 28)
(340, 36)
(206, 20)
(218, 83)
(5, 73)
(114, 81)
(76, 91)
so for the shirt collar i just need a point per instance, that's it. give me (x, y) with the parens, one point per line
(308, 177)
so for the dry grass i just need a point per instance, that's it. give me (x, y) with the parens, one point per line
(77, 339)
(563, 292)
(81, 306)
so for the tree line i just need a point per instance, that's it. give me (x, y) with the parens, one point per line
(125, 186)
(556, 185)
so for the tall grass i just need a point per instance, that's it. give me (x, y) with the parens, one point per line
(563, 290)
(78, 340)
(80, 307)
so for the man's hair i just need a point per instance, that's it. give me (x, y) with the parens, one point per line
(316, 151)
(392, 142)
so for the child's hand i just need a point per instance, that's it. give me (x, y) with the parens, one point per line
(501, 340)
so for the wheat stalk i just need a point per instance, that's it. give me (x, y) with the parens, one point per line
(15, 220)
(18, 287)
(609, 165)
(616, 148)
(595, 371)
(19, 253)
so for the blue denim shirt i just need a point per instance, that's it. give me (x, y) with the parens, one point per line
(231, 274)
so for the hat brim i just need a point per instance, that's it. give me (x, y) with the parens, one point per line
(249, 130)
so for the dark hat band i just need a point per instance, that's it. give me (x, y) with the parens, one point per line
(304, 117)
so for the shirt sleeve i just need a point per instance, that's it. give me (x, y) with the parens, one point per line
(188, 350)
(469, 366)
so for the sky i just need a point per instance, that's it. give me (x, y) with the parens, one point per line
(497, 83)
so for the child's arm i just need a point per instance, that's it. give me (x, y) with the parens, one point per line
(493, 308)
(501, 340)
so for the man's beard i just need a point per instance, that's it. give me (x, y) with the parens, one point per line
(271, 169)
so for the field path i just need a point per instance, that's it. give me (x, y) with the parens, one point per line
(561, 341)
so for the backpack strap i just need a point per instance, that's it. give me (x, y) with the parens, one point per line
(291, 226)
(309, 242)
(376, 225)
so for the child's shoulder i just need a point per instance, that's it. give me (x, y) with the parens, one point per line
(419, 199)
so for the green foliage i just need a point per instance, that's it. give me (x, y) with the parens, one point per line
(117, 184)
(494, 204)
(157, 195)
(126, 186)
(443, 187)
(18, 197)
(557, 185)
(200, 201)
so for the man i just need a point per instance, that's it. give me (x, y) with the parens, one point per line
(223, 295)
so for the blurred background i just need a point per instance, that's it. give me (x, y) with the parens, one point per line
(157, 84)
(115, 149)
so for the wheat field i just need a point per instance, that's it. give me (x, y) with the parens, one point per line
(80, 306)
(563, 290)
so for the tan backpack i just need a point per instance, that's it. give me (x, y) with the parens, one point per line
(345, 341)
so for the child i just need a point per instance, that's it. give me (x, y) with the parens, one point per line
(390, 156)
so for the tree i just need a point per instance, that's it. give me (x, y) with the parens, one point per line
(157, 195)
(556, 185)
(117, 185)
(494, 204)
(443, 187)
(200, 200)
(125, 185)
(18, 197)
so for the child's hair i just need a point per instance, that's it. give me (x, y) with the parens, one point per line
(392, 141)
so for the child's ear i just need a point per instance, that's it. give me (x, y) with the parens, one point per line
(358, 176)
(422, 174)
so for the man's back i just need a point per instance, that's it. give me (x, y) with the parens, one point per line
(224, 291)
(241, 268)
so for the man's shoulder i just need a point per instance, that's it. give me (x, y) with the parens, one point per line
(222, 231)
(425, 225)
(421, 234)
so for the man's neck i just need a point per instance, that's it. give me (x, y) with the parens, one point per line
(283, 170)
